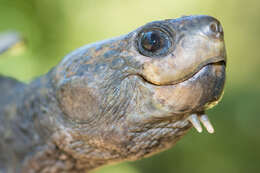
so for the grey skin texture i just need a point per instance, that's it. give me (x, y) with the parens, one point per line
(110, 101)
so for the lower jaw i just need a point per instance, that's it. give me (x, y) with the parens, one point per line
(202, 91)
(187, 101)
(211, 79)
(212, 82)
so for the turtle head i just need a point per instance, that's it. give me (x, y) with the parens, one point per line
(133, 95)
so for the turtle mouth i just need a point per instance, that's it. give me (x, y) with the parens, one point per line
(188, 99)
(219, 60)
(213, 61)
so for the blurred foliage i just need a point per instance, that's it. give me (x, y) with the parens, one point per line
(53, 28)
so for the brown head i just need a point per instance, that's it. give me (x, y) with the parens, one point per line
(131, 96)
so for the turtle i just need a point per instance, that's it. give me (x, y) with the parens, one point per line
(120, 99)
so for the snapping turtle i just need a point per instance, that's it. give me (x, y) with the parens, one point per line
(115, 100)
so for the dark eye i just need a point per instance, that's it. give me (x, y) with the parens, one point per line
(154, 42)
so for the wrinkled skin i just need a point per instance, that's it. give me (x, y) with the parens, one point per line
(108, 102)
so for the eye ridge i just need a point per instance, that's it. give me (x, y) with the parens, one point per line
(154, 42)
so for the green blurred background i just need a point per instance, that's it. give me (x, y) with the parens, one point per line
(53, 28)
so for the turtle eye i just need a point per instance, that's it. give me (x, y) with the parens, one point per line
(154, 42)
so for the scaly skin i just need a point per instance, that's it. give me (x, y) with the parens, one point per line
(109, 102)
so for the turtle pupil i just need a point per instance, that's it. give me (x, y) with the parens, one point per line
(151, 41)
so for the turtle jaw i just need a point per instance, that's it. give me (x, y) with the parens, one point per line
(201, 91)
(214, 88)
(185, 101)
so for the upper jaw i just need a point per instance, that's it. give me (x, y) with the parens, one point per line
(213, 60)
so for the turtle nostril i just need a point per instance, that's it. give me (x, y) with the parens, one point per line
(215, 30)
(214, 27)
